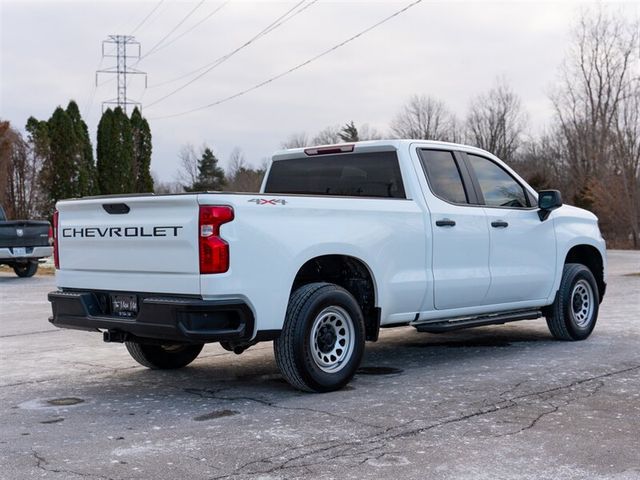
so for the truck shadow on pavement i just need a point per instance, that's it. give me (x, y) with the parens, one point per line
(394, 355)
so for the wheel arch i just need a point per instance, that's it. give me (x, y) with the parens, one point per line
(351, 273)
(592, 258)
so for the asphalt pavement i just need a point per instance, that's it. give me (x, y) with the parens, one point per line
(502, 402)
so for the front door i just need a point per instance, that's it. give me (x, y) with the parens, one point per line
(522, 255)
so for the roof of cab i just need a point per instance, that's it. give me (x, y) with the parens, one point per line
(377, 145)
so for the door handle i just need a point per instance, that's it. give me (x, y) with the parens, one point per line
(499, 224)
(445, 222)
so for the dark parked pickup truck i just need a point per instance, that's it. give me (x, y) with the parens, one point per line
(23, 243)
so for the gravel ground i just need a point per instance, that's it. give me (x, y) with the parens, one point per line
(504, 402)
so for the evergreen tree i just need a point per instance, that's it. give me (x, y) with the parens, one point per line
(62, 172)
(115, 153)
(349, 133)
(210, 175)
(103, 142)
(84, 152)
(141, 152)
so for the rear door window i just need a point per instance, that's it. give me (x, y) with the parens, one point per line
(375, 174)
(444, 175)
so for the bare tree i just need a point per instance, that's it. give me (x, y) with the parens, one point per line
(367, 132)
(237, 162)
(242, 177)
(20, 166)
(541, 162)
(425, 118)
(626, 160)
(496, 122)
(6, 147)
(598, 121)
(161, 187)
(327, 136)
(296, 140)
(596, 79)
(188, 171)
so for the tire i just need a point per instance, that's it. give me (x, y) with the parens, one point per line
(26, 270)
(322, 339)
(163, 357)
(574, 313)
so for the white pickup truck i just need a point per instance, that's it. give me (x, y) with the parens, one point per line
(341, 241)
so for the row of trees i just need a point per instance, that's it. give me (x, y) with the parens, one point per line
(590, 150)
(55, 160)
(200, 171)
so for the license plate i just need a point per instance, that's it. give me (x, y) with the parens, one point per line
(19, 251)
(124, 305)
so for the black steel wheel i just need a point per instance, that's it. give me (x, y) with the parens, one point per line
(574, 312)
(163, 357)
(27, 269)
(322, 339)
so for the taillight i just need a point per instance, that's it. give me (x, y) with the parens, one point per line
(214, 251)
(53, 233)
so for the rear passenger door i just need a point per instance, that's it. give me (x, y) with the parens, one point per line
(523, 249)
(460, 247)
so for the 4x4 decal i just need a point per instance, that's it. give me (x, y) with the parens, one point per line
(268, 201)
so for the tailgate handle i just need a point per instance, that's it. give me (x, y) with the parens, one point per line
(116, 208)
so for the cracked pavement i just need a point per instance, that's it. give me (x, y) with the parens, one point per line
(501, 402)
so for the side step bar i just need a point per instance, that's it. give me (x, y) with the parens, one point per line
(458, 323)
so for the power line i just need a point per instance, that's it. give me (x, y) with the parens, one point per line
(144, 20)
(89, 103)
(220, 60)
(178, 25)
(268, 29)
(158, 45)
(193, 27)
(293, 69)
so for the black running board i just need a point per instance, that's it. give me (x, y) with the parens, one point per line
(459, 323)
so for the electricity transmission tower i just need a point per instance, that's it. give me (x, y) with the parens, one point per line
(122, 52)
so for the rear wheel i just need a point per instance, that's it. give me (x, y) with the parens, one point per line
(322, 339)
(24, 270)
(574, 313)
(163, 357)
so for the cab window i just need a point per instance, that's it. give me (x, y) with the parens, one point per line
(443, 175)
(498, 187)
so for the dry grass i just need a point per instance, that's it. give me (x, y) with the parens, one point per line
(43, 270)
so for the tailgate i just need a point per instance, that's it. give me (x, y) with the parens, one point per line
(21, 233)
(139, 243)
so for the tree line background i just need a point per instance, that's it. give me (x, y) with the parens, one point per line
(589, 148)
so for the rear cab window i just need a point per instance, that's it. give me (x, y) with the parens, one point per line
(444, 176)
(367, 174)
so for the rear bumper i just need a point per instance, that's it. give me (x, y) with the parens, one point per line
(159, 317)
(6, 254)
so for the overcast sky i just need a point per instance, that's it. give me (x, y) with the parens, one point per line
(50, 51)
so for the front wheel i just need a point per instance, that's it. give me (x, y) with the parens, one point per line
(574, 312)
(25, 270)
(322, 339)
(163, 357)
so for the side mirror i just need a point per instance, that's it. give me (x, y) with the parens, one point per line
(548, 200)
